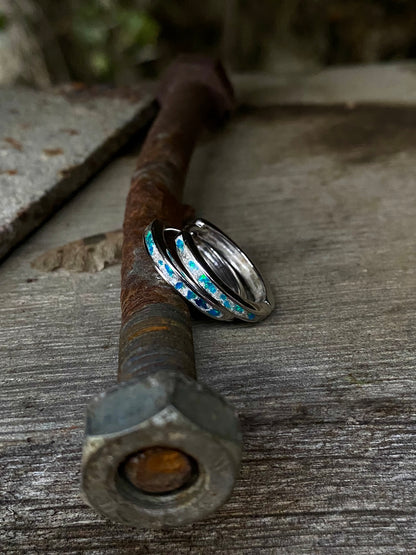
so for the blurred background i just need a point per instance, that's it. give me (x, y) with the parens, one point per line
(45, 42)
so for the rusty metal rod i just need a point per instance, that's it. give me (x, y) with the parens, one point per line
(156, 330)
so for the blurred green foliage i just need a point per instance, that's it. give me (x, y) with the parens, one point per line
(109, 32)
(122, 41)
(3, 21)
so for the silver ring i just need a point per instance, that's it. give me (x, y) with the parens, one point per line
(247, 296)
(208, 269)
(169, 269)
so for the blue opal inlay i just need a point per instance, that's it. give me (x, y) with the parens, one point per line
(214, 312)
(180, 285)
(149, 242)
(207, 283)
(169, 270)
(201, 303)
(202, 278)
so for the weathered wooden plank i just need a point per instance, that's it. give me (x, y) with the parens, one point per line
(324, 198)
(51, 143)
(375, 83)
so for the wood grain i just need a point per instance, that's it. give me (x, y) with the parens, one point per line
(324, 199)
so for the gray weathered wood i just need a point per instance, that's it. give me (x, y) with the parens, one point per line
(377, 83)
(324, 198)
(51, 143)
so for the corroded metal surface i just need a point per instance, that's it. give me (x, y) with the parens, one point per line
(156, 339)
(156, 331)
(193, 93)
(158, 469)
(51, 143)
(167, 409)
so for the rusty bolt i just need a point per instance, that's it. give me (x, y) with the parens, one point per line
(159, 469)
(161, 449)
(169, 413)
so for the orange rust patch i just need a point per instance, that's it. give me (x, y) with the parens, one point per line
(66, 171)
(149, 329)
(53, 151)
(158, 469)
(154, 328)
(15, 144)
(70, 131)
(8, 172)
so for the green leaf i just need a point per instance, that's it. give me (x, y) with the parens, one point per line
(3, 21)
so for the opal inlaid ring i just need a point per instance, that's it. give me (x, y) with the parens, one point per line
(169, 269)
(209, 270)
(204, 250)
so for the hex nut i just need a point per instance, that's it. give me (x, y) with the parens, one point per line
(166, 409)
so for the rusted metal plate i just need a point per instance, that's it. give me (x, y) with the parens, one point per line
(51, 143)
